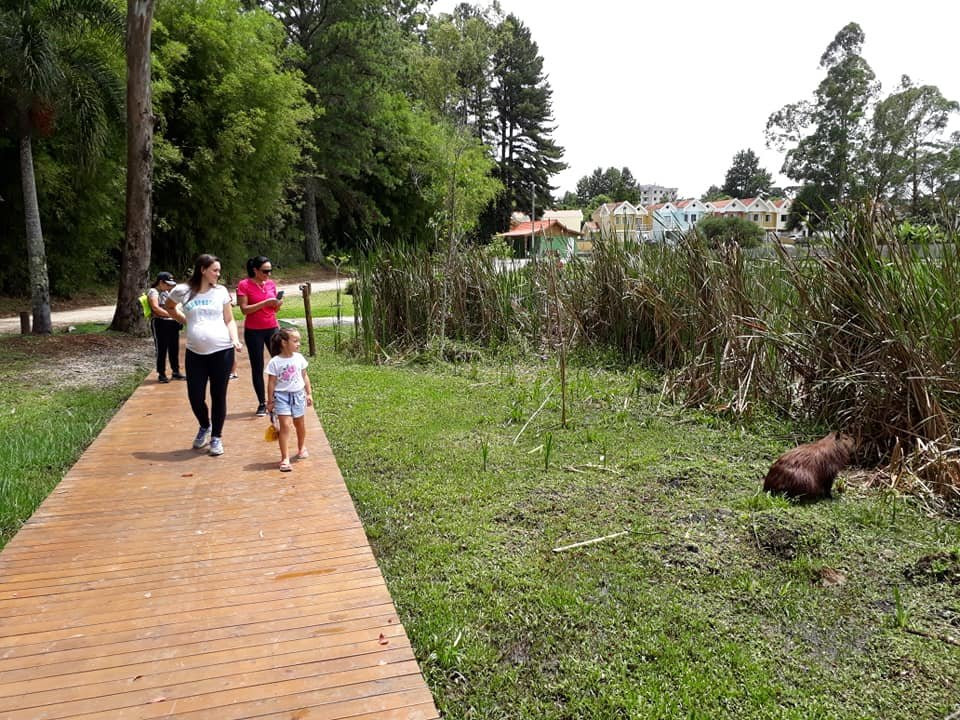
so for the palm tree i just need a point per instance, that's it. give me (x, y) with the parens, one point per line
(52, 63)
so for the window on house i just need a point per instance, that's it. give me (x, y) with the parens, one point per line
(756, 217)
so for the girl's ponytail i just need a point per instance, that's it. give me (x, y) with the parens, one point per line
(277, 339)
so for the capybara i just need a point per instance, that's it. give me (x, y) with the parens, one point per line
(807, 472)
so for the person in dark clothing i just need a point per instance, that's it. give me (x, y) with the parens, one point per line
(165, 328)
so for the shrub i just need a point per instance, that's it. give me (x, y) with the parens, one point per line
(723, 230)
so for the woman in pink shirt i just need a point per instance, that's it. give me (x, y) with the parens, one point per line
(257, 297)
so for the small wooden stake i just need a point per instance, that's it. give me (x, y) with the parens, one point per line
(591, 542)
(308, 316)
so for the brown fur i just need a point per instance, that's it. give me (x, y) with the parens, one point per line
(807, 472)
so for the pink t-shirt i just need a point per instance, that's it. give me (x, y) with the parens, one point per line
(266, 317)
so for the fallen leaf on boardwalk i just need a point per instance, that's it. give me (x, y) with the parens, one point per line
(383, 640)
(187, 475)
(159, 699)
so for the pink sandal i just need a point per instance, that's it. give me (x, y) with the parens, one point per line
(285, 466)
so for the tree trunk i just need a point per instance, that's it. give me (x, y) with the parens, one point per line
(135, 254)
(314, 248)
(36, 252)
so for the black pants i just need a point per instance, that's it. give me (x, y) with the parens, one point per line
(215, 369)
(255, 340)
(166, 342)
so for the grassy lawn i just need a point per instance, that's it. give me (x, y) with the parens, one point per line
(718, 602)
(322, 305)
(53, 408)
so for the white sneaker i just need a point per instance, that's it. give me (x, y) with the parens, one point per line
(201, 438)
(216, 446)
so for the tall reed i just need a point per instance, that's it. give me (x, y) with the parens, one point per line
(863, 334)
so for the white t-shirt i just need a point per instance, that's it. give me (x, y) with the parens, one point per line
(206, 331)
(288, 371)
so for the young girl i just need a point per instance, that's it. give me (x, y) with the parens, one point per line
(288, 391)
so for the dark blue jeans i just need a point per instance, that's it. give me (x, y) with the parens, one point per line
(256, 340)
(215, 370)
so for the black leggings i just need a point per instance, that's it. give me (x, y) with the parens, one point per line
(214, 368)
(255, 340)
(166, 342)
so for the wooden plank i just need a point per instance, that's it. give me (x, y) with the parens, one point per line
(157, 581)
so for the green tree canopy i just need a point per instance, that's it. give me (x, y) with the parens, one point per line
(526, 154)
(230, 116)
(719, 229)
(617, 184)
(714, 192)
(810, 209)
(907, 147)
(745, 178)
(58, 65)
(826, 136)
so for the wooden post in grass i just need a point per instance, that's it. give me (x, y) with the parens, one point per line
(24, 323)
(308, 315)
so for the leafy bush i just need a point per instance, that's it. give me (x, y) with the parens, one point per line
(722, 230)
(498, 247)
(910, 233)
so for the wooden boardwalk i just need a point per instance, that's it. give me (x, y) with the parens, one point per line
(157, 581)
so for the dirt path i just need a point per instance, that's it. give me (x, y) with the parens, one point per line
(104, 313)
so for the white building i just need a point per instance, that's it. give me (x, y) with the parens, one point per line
(656, 194)
(570, 219)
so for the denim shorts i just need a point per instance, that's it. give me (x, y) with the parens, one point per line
(290, 403)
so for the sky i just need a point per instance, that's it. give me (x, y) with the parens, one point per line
(674, 90)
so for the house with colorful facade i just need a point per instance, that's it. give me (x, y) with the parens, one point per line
(693, 211)
(621, 220)
(668, 221)
(728, 207)
(782, 208)
(571, 219)
(541, 237)
(672, 219)
(762, 212)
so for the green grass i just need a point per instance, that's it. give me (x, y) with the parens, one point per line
(322, 305)
(711, 607)
(45, 429)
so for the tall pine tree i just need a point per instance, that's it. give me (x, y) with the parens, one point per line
(526, 154)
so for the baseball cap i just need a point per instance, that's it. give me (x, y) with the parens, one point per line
(166, 278)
